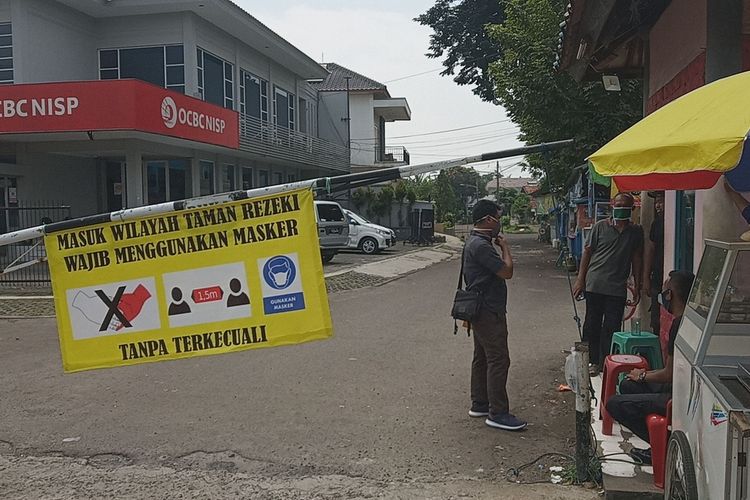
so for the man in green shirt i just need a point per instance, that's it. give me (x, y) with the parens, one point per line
(613, 249)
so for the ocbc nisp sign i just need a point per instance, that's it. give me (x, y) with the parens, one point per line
(115, 105)
(50, 106)
(172, 115)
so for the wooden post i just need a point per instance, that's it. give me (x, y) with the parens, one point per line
(583, 413)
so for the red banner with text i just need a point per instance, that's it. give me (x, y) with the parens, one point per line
(115, 105)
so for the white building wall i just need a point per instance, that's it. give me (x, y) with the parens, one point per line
(51, 42)
(5, 10)
(139, 31)
(362, 128)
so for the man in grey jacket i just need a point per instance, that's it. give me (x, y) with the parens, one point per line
(486, 270)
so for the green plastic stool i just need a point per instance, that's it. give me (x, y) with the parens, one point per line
(645, 344)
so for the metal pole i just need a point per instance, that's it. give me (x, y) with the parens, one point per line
(583, 413)
(328, 184)
(348, 135)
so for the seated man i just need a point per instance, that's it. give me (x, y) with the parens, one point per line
(645, 392)
(742, 205)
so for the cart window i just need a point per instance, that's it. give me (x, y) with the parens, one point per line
(735, 307)
(328, 212)
(707, 281)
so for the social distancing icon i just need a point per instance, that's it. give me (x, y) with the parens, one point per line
(207, 294)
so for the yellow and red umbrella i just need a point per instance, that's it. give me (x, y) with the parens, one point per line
(687, 144)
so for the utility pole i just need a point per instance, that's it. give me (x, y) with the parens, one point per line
(348, 136)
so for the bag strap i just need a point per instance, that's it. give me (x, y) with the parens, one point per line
(460, 284)
(461, 272)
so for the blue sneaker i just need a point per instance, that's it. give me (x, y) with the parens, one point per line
(506, 422)
(479, 409)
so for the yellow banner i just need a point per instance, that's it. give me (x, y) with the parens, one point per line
(210, 280)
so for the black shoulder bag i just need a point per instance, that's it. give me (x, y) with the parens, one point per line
(466, 303)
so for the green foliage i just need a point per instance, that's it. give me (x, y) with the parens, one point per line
(521, 207)
(549, 105)
(505, 198)
(458, 32)
(400, 190)
(449, 220)
(518, 40)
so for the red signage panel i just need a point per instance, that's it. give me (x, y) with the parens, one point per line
(115, 105)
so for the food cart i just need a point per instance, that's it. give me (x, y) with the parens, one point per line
(707, 451)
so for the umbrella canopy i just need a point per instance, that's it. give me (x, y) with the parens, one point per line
(687, 144)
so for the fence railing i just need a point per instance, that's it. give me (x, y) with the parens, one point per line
(265, 138)
(28, 257)
(392, 154)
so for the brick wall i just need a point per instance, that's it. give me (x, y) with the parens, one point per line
(690, 78)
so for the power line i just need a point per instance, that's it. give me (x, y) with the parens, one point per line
(415, 74)
(449, 130)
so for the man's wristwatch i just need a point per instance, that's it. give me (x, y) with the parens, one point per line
(642, 377)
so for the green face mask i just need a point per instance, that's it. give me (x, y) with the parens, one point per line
(622, 213)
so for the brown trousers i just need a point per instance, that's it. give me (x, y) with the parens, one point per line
(489, 369)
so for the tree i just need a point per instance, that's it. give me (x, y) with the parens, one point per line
(522, 207)
(545, 104)
(549, 105)
(459, 33)
(505, 198)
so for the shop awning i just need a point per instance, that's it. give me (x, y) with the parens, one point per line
(687, 144)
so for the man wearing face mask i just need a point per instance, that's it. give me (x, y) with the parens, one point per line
(646, 392)
(486, 270)
(613, 248)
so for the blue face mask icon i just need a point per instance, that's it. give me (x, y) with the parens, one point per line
(279, 272)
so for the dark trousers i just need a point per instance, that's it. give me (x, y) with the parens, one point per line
(489, 369)
(603, 317)
(636, 401)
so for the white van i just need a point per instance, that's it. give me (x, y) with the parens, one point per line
(333, 229)
(366, 236)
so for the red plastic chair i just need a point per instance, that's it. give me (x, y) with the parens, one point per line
(658, 436)
(614, 365)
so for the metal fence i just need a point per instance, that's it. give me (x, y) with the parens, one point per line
(28, 259)
(267, 139)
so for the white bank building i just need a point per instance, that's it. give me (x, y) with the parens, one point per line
(110, 104)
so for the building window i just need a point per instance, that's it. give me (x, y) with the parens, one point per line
(167, 180)
(215, 79)
(253, 96)
(163, 65)
(207, 177)
(278, 178)
(283, 103)
(227, 178)
(247, 178)
(292, 178)
(6, 53)
(263, 178)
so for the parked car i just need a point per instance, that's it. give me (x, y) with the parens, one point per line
(368, 237)
(333, 229)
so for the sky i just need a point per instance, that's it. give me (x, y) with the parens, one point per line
(379, 39)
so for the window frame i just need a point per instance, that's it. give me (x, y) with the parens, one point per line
(228, 101)
(290, 107)
(211, 178)
(263, 84)
(176, 87)
(11, 69)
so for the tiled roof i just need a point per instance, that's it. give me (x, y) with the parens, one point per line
(336, 80)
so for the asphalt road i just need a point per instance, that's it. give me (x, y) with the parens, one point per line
(379, 410)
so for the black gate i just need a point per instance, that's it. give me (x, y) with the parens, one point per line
(24, 215)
